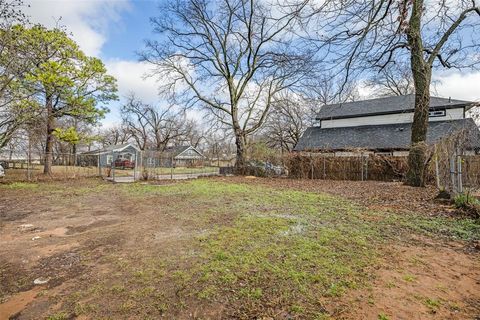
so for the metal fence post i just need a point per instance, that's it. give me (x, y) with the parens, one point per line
(366, 166)
(452, 173)
(99, 166)
(459, 173)
(29, 164)
(437, 170)
(311, 166)
(324, 167)
(135, 167)
(361, 164)
(113, 165)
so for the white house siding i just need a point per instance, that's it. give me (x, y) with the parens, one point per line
(400, 153)
(451, 114)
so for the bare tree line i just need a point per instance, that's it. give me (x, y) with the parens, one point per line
(155, 128)
(261, 70)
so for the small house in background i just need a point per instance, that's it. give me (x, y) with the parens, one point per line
(384, 125)
(182, 156)
(179, 156)
(121, 155)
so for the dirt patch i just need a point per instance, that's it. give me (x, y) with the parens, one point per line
(59, 267)
(418, 282)
(17, 303)
(93, 225)
(57, 232)
(14, 277)
(13, 215)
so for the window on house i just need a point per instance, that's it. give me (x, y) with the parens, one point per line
(109, 159)
(437, 113)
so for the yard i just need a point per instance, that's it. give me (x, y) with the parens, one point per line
(234, 247)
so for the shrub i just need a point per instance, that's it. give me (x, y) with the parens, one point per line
(468, 203)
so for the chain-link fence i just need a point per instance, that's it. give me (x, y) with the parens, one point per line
(451, 171)
(360, 167)
(169, 165)
(455, 164)
(125, 165)
(24, 166)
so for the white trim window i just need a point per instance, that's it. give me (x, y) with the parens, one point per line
(109, 159)
(437, 113)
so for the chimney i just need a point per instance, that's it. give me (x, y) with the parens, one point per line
(449, 99)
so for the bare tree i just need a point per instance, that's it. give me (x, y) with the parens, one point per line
(118, 134)
(428, 34)
(219, 145)
(328, 88)
(289, 117)
(134, 120)
(393, 80)
(154, 127)
(474, 113)
(194, 134)
(230, 57)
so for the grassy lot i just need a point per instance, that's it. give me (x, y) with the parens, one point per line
(214, 248)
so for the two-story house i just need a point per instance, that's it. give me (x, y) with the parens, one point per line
(384, 125)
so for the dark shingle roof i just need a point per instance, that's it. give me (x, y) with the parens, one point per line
(393, 104)
(382, 137)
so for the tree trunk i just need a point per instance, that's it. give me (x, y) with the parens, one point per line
(74, 155)
(47, 168)
(418, 149)
(240, 143)
(422, 74)
(240, 138)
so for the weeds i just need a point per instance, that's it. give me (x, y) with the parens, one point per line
(59, 316)
(409, 278)
(22, 186)
(432, 304)
(465, 200)
(383, 316)
(468, 203)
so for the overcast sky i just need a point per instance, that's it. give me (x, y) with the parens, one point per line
(114, 30)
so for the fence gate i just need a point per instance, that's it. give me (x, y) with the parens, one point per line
(119, 166)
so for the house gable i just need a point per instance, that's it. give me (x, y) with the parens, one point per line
(128, 147)
(385, 106)
(383, 137)
(391, 118)
(189, 153)
(384, 124)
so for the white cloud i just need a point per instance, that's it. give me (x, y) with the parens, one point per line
(459, 85)
(87, 20)
(130, 78)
